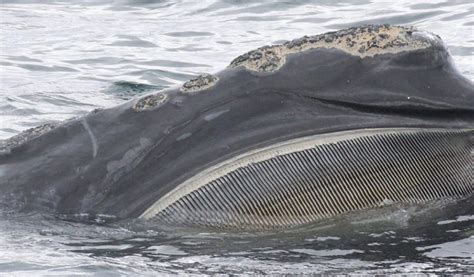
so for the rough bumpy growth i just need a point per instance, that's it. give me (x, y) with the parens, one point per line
(149, 102)
(361, 41)
(6, 145)
(199, 83)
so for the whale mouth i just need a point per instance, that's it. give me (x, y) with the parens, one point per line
(316, 177)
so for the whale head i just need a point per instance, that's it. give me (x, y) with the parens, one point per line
(285, 135)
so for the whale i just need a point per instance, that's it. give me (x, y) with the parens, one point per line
(286, 135)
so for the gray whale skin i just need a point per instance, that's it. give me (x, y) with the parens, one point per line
(286, 135)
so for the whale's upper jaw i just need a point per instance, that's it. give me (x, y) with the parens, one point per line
(363, 41)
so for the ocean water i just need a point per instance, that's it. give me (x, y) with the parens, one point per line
(61, 59)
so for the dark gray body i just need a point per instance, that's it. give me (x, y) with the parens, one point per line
(119, 162)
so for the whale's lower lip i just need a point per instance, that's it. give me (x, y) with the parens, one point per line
(315, 177)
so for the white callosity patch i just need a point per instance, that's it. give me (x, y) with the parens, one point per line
(363, 41)
(201, 82)
(149, 102)
(6, 145)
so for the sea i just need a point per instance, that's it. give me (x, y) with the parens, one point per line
(62, 59)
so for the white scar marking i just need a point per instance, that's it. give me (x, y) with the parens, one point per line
(91, 135)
